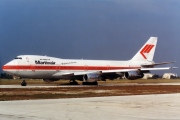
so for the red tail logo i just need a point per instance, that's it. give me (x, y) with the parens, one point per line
(146, 49)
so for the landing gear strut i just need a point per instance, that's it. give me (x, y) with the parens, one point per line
(23, 83)
(73, 82)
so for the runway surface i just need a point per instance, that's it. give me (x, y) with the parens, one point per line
(52, 86)
(136, 107)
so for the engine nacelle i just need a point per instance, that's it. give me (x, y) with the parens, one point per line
(132, 75)
(91, 77)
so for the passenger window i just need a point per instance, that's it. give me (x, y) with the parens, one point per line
(18, 58)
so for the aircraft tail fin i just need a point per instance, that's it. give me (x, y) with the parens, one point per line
(146, 53)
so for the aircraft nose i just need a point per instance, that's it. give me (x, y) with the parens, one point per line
(10, 67)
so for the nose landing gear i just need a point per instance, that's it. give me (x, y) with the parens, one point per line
(23, 83)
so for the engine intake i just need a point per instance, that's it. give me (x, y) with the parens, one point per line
(132, 75)
(91, 77)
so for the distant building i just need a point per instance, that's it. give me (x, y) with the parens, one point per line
(15, 77)
(169, 76)
(150, 76)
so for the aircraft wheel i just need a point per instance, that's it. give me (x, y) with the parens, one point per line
(23, 83)
(74, 82)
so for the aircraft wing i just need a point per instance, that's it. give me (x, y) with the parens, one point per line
(142, 69)
(72, 73)
(107, 71)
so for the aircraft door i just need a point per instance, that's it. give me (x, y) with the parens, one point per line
(32, 67)
(17, 67)
(86, 68)
(108, 67)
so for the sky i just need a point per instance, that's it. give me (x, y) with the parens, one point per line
(89, 29)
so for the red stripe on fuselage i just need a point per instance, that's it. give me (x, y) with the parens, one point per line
(24, 67)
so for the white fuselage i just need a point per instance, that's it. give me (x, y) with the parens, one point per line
(33, 66)
(51, 68)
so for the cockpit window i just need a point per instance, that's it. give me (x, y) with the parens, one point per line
(18, 58)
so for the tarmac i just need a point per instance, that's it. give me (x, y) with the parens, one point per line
(54, 86)
(135, 107)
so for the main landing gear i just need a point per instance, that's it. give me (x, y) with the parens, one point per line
(73, 82)
(23, 83)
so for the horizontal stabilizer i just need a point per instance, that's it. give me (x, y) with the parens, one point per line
(155, 64)
(164, 68)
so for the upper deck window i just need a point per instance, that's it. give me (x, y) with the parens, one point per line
(18, 58)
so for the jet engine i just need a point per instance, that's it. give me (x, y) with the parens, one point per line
(91, 77)
(132, 75)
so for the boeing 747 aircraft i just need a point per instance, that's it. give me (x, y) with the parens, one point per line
(88, 71)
